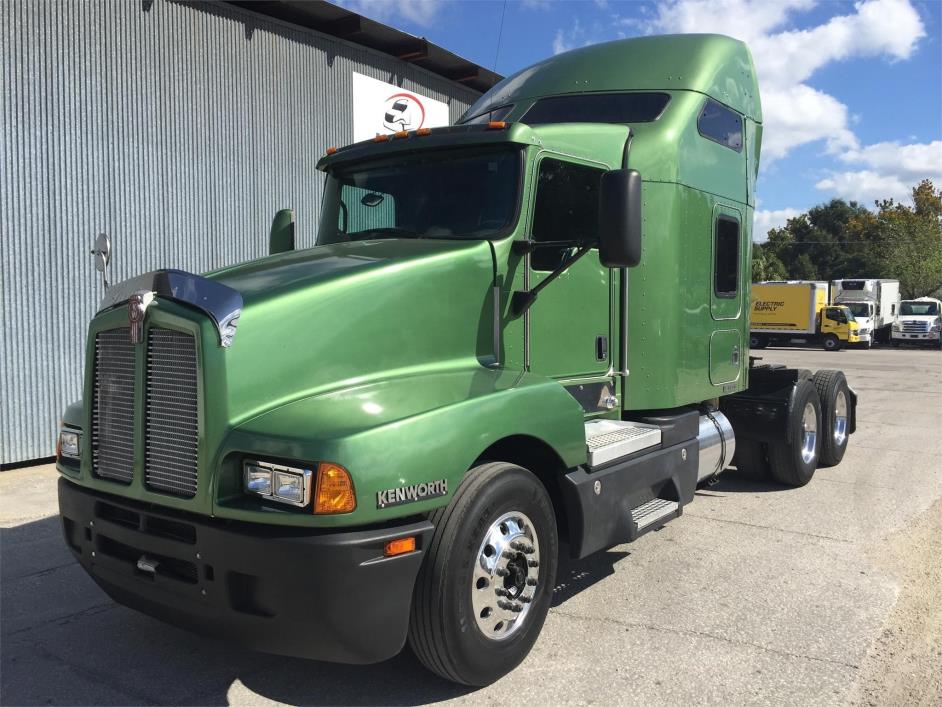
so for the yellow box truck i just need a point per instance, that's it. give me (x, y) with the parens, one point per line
(797, 311)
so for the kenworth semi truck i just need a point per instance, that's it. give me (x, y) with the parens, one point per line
(874, 303)
(521, 335)
(797, 312)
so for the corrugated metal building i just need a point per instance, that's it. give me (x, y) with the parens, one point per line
(179, 130)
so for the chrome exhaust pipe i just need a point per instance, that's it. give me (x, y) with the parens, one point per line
(717, 444)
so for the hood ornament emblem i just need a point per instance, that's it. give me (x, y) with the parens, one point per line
(137, 307)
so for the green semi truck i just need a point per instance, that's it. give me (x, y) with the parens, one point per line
(521, 335)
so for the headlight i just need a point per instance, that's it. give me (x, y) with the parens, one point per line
(285, 484)
(70, 444)
(896, 326)
(936, 327)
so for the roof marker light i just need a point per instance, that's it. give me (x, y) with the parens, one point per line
(331, 150)
(381, 138)
(401, 134)
(423, 131)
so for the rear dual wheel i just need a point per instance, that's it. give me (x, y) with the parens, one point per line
(834, 395)
(794, 461)
(486, 582)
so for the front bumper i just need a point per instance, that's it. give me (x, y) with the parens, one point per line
(916, 336)
(306, 593)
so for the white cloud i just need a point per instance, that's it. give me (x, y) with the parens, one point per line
(892, 170)
(421, 12)
(865, 186)
(794, 112)
(765, 220)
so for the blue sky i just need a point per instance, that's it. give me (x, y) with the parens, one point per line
(851, 91)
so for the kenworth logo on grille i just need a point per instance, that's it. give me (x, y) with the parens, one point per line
(411, 494)
(137, 306)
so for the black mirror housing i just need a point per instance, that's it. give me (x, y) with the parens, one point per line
(281, 236)
(620, 218)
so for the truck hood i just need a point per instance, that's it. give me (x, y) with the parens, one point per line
(344, 315)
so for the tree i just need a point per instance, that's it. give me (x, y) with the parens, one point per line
(766, 265)
(909, 240)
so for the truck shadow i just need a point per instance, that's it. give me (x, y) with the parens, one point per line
(733, 481)
(57, 624)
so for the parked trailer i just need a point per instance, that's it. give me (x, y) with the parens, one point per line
(920, 322)
(796, 311)
(874, 304)
(328, 452)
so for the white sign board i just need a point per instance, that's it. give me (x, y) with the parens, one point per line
(382, 108)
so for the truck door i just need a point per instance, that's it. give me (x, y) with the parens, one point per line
(569, 329)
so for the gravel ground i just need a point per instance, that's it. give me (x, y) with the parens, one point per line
(824, 595)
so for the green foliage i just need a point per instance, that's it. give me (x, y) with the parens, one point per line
(845, 240)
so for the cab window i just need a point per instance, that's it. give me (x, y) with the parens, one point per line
(566, 209)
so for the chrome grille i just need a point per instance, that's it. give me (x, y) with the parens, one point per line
(915, 327)
(113, 406)
(171, 431)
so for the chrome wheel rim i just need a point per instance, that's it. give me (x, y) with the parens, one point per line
(809, 433)
(840, 418)
(506, 576)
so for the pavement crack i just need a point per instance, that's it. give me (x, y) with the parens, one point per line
(767, 527)
(106, 679)
(63, 620)
(44, 571)
(705, 634)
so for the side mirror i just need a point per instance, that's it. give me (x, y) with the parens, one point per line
(102, 252)
(281, 236)
(620, 218)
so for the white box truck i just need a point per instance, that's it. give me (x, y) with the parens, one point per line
(920, 322)
(874, 302)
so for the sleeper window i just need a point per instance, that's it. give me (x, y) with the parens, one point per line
(726, 257)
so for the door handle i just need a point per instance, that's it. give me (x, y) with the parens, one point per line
(735, 357)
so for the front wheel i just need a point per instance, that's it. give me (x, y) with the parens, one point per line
(486, 582)
(831, 343)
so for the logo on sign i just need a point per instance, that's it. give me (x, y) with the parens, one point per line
(403, 111)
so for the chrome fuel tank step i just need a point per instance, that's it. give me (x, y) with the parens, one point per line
(607, 440)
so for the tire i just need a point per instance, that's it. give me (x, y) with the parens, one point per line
(834, 394)
(794, 462)
(446, 630)
(751, 459)
(757, 341)
(831, 343)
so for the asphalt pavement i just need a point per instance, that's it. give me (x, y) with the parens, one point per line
(756, 595)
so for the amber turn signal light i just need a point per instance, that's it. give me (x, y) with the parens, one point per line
(496, 125)
(399, 546)
(334, 493)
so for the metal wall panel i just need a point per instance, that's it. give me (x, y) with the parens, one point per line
(179, 130)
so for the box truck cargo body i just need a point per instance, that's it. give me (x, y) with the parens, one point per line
(797, 311)
(874, 304)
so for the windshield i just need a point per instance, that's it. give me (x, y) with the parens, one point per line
(860, 309)
(467, 194)
(914, 309)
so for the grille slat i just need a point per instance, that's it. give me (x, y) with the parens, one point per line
(171, 433)
(113, 406)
